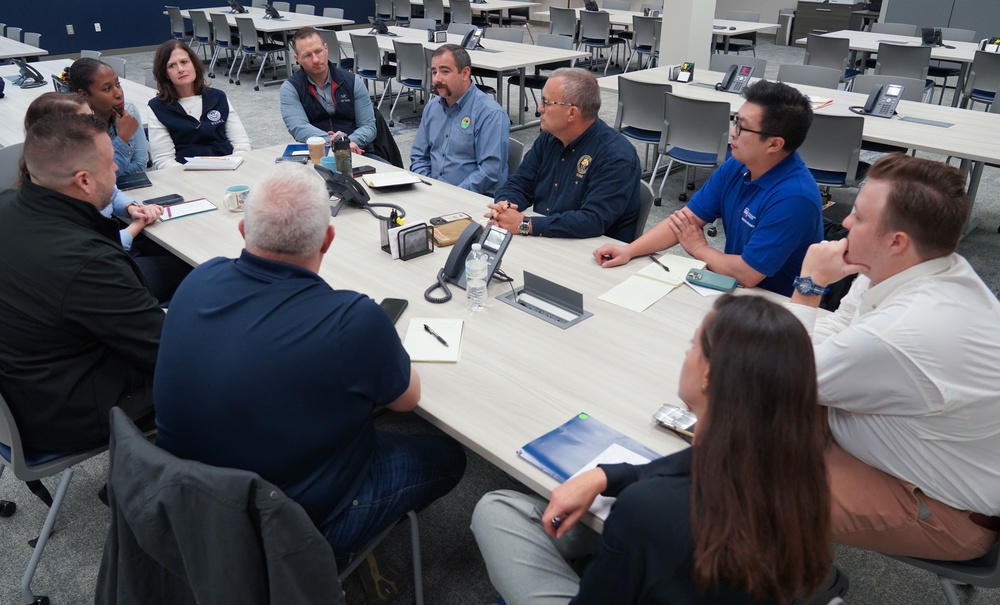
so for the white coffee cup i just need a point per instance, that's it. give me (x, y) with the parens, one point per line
(236, 197)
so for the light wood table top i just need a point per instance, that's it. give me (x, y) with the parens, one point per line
(17, 100)
(518, 377)
(289, 21)
(963, 52)
(624, 17)
(490, 5)
(12, 48)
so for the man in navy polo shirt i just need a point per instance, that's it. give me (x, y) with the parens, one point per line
(767, 199)
(322, 100)
(264, 367)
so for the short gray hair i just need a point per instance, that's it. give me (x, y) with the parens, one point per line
(580, 88)
(287, 211)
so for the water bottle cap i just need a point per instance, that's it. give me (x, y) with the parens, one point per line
(477, 246)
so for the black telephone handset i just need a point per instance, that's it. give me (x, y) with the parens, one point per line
(379, 26)
(28, 76)
(494, 241)
(236, 7)
(271, 13)
(472, 38)
(591, 5)
(736, 79)
(882, 101)
(346, 188)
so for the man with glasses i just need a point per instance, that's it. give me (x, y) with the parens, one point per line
(581, 175)
(767, 199)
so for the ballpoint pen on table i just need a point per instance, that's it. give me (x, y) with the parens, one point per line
(655, 260)
(435, 335)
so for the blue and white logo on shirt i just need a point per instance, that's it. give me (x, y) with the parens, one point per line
(749, 218)
(214, 116)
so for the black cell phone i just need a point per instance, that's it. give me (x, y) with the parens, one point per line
(362, 170)
(394, 307)
(165, 200)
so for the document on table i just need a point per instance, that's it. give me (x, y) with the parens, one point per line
(614, 454)
(221, 162)
(652, 282)
(180, 209)
(424, 345)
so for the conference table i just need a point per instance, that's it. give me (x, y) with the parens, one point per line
(949, 131)
(17, 99)
(518, 377)
(867, 42)
(495, 55)
(289, 22)
(10, 49)
(489, 6)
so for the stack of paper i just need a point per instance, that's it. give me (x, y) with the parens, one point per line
(652, 282)
(220, 162)
(390, 179)
(424, 336)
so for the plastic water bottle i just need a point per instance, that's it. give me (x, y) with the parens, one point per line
(476, 266)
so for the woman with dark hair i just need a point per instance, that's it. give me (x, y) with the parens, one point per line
(122, 205)
(741, 517)
(97, 82)
(189, 119)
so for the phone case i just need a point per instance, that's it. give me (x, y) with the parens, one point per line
(708, 279)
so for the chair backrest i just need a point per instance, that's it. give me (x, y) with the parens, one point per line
(645, 31)
(14, 33)
(33, 39)
(695, 125)
(383, 9)
(201, 25)
(646, 197)
(428, 59)
(434, 9)
(3, 29)
(221, 30)
(810, 75)
(562, 21)
(515, 153)
(460, 29)
(305, 9)
(116, 63)
(903, 60)
(367, 56)
(423, 23)
(827, 52)
(149, 78)
(401, 10)
(751, 16)
(913, 89)
(833, 145)
(595, 26)
(721, 62)
(410, 62)
(248, 34)
(282, 7)
(617, 5)
(506, 34)
(176, 21)
(985, 72)
(334, 53)
(334, 13)
(897, 29)
(640, 104)
(461, 11)
(94, 54)
(652, 6)
(957, 34)
(9, 157)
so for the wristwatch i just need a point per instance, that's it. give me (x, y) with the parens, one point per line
(806, 285)
(525, 228)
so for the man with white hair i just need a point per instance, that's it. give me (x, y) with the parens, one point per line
(263, 366)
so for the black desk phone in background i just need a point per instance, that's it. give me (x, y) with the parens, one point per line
(494, 241)
(882, 101)
(736, 79)
(472, 38)
(344, 187)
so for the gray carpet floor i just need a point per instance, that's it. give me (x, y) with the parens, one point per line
(453, 569)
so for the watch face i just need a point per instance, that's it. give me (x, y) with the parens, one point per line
(525, 226)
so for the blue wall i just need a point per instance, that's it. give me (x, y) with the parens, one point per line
(123, 24)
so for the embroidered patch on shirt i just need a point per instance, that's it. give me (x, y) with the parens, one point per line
(749, 218)
(214, 116)
(582, 166)
(466, 121)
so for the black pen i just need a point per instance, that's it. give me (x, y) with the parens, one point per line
(665, 268)
(435, 335)
(425, 182)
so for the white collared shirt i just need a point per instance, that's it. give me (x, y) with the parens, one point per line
(910, 369)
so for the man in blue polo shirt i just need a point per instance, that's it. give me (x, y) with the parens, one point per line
(265, 367)
(464, 135)
(581, 175)
(767, 199)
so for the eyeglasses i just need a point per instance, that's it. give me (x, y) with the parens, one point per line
(738, 128)
(549, 103)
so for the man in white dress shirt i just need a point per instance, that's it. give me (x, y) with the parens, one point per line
(909, 367)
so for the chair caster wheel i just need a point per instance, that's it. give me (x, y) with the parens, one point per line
(391, 124)
(658, 201)
(41, 601)
(690, 186)
(230, 80)
(211, 75)
(237, 82)
(7, 508)
(683, 197)
(538, 114)
(712, 231)
(256, 87)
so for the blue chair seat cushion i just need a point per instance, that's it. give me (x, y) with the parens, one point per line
(687, 156)
(33, 457)
(829, 177)
(641, 134)
(983, 96)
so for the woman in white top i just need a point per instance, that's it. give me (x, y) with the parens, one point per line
(188, 118)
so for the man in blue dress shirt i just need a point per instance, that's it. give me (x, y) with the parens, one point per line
(581, 175)
(767, 199)
(464, 135)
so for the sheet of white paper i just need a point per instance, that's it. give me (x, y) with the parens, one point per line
(422, 346)
(613, 455)
(637, 292)
(706, 292)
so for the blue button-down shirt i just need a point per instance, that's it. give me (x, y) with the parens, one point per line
(465, 144)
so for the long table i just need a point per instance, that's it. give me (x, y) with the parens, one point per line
(518, 377)
(496, 55)
(289, 22)
(971, 135)
(10, 49)
(17, 99)
(867, 42)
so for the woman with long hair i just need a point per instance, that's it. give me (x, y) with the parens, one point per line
(97, 82)
(189, 118)
(740, 517)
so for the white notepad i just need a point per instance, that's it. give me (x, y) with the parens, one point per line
(221, 162)
(421, 345)
(390, 179)
(651, 283)
(180, 209)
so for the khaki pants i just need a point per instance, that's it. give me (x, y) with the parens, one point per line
(876, 511)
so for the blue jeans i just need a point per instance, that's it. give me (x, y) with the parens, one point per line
(407, 472)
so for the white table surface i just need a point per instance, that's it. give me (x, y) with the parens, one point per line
(12, 48)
